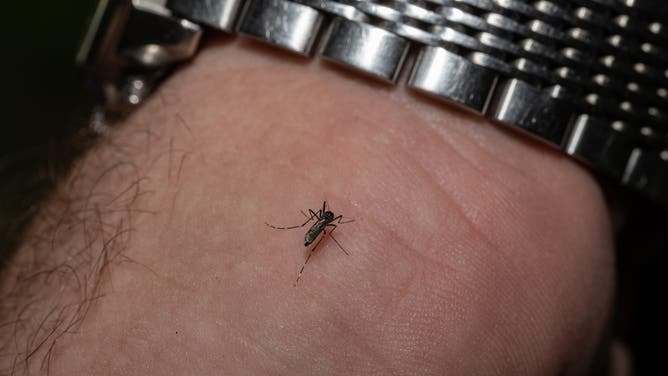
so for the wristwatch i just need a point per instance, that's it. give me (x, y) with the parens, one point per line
(587, 77)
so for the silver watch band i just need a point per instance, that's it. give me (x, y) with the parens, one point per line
(589, 77)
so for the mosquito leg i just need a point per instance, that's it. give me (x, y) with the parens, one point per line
(340, 220)
(345, 220)
(307, 258)
(333, 238)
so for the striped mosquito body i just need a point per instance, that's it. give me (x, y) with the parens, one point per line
(323, 219)
(319, 226)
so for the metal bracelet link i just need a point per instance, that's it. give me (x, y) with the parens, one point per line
(589, 77)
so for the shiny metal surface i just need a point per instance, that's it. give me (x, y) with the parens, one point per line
(289, 25)
(130, 36)
(587, 76)
(438, 72)
(336, 8)
(647, 172)
(535, 111)
(602, 145)
(367, 48)
(220, 14)
(153, 38)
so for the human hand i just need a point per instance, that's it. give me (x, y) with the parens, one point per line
(473, 251)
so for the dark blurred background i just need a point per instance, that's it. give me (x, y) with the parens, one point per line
(40, 86)
(44, 105)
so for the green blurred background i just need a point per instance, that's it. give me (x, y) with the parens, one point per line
(44, 103)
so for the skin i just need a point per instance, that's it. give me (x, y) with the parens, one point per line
(473, 250)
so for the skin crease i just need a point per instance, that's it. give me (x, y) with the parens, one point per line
(473, 250)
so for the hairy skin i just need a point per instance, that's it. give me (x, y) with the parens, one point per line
(473, 251)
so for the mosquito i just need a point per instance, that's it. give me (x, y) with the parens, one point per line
(323, 218)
